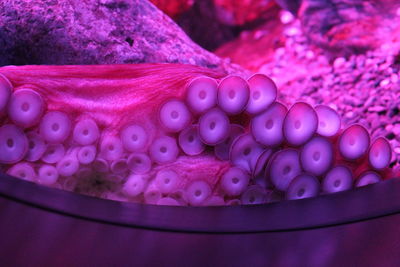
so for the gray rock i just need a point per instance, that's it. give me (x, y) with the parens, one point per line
(96, 32)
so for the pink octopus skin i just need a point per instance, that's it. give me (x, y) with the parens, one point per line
(110, 122)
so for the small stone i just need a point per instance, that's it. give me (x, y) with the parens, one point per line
(310, 54)
(394, 78)
(292, 31)
(286, 17)
(339, 62)
(376, 109)
(396, 130)
(350, 115)
(384, 83)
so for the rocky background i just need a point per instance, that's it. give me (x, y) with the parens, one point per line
(344, 53)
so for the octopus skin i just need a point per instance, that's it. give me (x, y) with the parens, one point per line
(169, 134)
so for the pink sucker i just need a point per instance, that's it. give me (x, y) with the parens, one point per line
(134, 138)
(300, 124)
(139, 163)
(337, 179)
(190, 142)
(262, 162)
(53, 153)
(24, 171)
(214, 127)
(175, 115)
(303, 186)
(25, 107)
(47, 174)
(36, 147)
(328, 121)
(201, 94)
(180, 195)
(197, 192)
(221, 150)
(233, 95)
(283, 168)
(254, 194)
(111, 147)
(267, 127)
(70, 183)
(13, 144)
(86, 132)
(101, 165)
(168, 201)
(5, 92)
(354, 142)
(55, 127)
(167, 181)
(380, 154)
(134, 185)
(152, 195)
(316, 156)
(263, 93)
(234, 181)
(367, 178)
(86, 154)
(163, 150)
(119, 166)
(245, 152)
(68, 165)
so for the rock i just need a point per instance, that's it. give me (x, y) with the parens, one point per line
(96, 32)
(173, 8)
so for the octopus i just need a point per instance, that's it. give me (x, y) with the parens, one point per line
(171, 134)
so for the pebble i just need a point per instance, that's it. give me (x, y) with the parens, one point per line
(339, 62)
(396, 129)
(384, 83)
(286, 17)
(394, 78)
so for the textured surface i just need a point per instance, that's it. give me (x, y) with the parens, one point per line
(95, 32)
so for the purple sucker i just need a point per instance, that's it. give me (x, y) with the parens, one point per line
(337, 179)
(163, 150)
(25, 107)
(263, 92)
(201, 94)
(190, 142)
(300, 124)
(139, 163)
(214, 127)
(234, 181)
(86, 132)
(13, 144)
(233, 95)
(55, 127)
(221, 150)
(267, 127)
(380, 154)
(367, 178)
(134, 138)
(283, 168)
(316, 156)
(245, 152)
(354, 142)
(174, 115)
(303, 186)
(328, 121)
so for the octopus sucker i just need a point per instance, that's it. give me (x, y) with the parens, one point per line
(169, 134)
